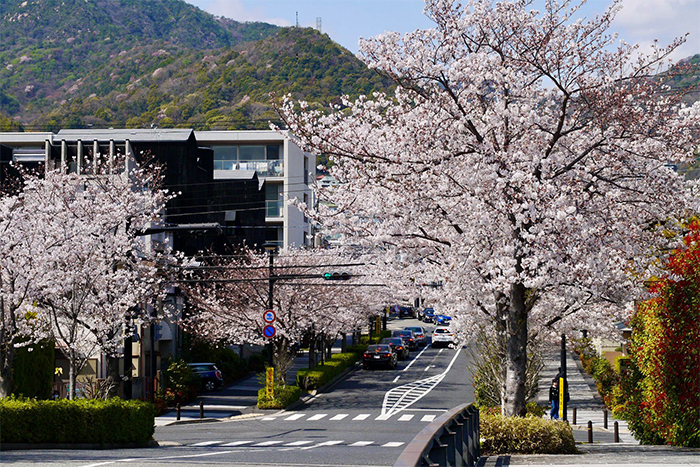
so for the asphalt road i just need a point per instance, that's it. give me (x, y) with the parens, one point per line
(367, 419)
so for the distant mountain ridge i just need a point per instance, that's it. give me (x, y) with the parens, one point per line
(138, 63)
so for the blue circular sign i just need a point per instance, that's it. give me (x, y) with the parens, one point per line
(269, 331)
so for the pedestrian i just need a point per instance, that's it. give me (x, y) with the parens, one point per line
(554, 399)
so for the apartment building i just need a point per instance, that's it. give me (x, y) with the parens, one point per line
(285, 171)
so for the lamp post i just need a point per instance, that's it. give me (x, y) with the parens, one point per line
(270, 248)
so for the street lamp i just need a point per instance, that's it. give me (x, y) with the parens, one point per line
(270, 248)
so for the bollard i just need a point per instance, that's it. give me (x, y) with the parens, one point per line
(605, 419)
(574, 420)
(201, 409)
(177, 407)
(616, 430)
(590, 432)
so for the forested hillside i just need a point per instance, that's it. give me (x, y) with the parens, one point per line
(137, 63)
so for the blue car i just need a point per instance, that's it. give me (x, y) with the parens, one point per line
(442, 320)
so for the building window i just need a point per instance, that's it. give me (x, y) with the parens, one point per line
(273, 200)
(247, 157)
(306, 170)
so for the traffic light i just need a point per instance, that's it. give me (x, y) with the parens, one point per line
(336, 276)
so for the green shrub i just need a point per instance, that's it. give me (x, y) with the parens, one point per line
(282, 397)
(76, 421)
(364, 339)
(524, 435)
(323, 373)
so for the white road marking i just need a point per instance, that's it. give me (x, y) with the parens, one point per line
(396, 379)
(402, 397)
(206, 443)
(296, 416)
(268, 443)
(415, 358)
(325, 443)
(428, 367)
(362, 416)
(236, 443)
(405, 418)
(298, 443)
(440, 351)
(318, 416)
(340, 416)
(428, 418)
(362, 443)
(267, 419)
(392, 444)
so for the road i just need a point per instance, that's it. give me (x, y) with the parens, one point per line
(366, 419)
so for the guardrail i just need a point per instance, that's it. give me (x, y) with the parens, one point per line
(451, 439)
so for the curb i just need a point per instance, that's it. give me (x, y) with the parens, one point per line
(76, 446)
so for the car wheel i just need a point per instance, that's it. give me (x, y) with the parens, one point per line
(209, 385)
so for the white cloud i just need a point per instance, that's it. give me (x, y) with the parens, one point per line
(642, 21)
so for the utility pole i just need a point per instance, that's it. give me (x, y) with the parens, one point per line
(270, 248)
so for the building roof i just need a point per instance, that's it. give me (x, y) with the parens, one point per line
(257, 136)
(135, 135)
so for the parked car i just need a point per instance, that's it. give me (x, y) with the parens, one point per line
(442, 320)
(398, 346)
(419, 333)
(379, 355)
(408, 337)
(210, 376)
(442, 336)
(428, 315)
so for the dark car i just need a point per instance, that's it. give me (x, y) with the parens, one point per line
(408, 337)
(209, 375)
(397, 344)
(429, 315)
(405, 311)
(379, 355)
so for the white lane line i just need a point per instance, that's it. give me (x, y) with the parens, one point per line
(415, 358)
(441, 351)
(428, 418)
(296, 416)
(316, 417)
(396, 379)
(405, 418)
(362, 416)
(325, 443)
(402, 397)
(428, 367)
(298, 443)
(268, 443)
(206, 443)
(392, 444)
(236, 443)
(361, 443)
(340, 416)
(267, 419)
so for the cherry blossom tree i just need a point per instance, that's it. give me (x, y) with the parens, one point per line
(95, 267)
(21, 323)
(229, 295)
(523, 159)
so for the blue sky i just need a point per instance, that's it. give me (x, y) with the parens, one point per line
(345, 21)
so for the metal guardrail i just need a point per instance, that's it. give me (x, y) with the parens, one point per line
(451, 439)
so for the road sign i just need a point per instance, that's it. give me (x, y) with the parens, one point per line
(269, 316)
(269, 331)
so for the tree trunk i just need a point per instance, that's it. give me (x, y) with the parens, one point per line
(71, 378)
(6, 358)
(514, 393)
(113, 378)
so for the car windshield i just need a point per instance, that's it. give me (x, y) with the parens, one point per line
(378, 348)
(402, 333)
(392, 340)
(418, 330)
(442, 331)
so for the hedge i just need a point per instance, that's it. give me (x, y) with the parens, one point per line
(283, 396)
(323, 373)
(525, 435)
(64, 421)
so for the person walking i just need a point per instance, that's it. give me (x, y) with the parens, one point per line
(554, 399)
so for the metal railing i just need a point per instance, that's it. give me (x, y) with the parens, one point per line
(451, 439)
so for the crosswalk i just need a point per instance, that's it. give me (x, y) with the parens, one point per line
(301, 444)
(316, 417)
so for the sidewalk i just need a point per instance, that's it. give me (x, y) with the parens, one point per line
(603, 451)
(237, 400)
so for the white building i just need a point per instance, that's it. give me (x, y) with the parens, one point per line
(285, 170)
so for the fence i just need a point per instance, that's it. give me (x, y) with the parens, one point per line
(452, 439)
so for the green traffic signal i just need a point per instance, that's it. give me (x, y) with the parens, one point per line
(336, 276)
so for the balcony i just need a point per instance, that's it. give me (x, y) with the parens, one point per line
(272, 168)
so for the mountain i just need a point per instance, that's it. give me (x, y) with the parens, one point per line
(137, 63)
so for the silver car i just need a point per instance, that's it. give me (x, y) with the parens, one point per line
(419, 333)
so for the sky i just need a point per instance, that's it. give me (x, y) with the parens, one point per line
(345, 21)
